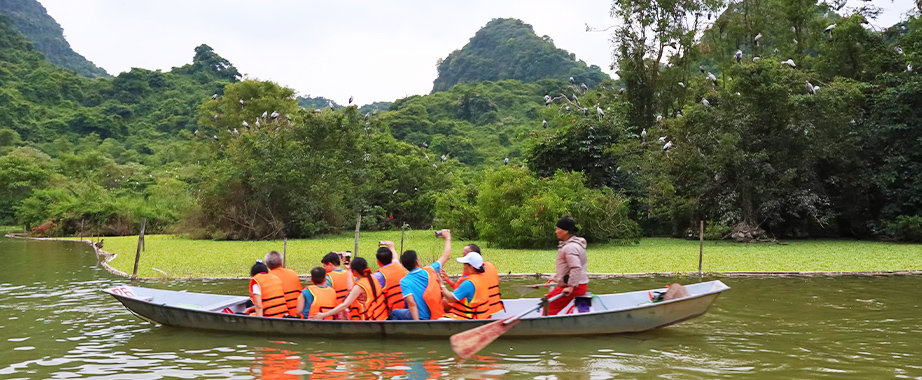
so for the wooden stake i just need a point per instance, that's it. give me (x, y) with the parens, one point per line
(285, 253)
(358, 224)
(701, 248)
(137, 256)
(403, 230)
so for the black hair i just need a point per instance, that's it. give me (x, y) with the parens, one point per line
(258, 268)
(384, 256)
(408, 259)
(480, 270)
(360, 265)
(330, 258)
(475, 248)
(318, 275)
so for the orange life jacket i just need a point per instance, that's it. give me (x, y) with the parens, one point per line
(273, 298)
(433, 295)
(375, 308)
(291, 285)
(324, 300)
(478, 307)
(339, 283)
(491, 276)
(392, 293)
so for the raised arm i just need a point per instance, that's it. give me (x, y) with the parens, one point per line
(446, 254)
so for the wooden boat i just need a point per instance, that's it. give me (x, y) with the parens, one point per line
(608, 314)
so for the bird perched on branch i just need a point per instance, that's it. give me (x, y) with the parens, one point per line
(544, 123)
(215, 96)
(712, 78)
(789, 62)
(757, 38)
(667, 146)
(705, 102)
(506, 161)
(739, 56)
(548, 100)
(810, 88)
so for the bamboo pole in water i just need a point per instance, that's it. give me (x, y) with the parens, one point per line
(137, 256)
(358, 223)
(701, 247)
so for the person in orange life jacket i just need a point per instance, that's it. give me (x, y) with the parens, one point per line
(571, 277)
(317, 298)
(420, 287)
(341, 281)
(388, 277)
(359, 268)
(468, 290)
(291, 284)
(490, 274)
(266, 293)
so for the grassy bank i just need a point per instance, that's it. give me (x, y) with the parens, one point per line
(184, 258)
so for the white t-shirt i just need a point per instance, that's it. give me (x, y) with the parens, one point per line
(256, 289)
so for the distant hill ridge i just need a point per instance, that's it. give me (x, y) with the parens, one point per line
(510, 49)
(32, 20)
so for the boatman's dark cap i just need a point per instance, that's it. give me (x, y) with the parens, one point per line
(567, 224)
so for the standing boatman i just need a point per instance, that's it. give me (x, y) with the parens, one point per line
(570, 275)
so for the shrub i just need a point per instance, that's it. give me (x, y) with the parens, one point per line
(906, 228)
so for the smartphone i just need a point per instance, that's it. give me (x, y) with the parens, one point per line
(438, 233)
(348, 256)
(380, 242)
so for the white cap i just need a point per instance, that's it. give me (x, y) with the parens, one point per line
(472, 258)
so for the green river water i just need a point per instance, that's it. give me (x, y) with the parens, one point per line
(56, 324)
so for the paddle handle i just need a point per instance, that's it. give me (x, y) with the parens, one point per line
(529, 311)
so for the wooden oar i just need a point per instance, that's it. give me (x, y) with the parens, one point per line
(468, 343)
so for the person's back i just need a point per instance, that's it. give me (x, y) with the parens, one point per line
(317, 297)
(388, 278)
(270, 293)
(337, 278)
(291, 284)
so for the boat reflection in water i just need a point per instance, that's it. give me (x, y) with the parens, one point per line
(283, 364)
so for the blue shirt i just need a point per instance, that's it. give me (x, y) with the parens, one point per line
(415, 284)
(465, 291)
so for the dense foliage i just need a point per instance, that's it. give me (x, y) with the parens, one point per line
(813, 131)
(31, 19)
(509, 49)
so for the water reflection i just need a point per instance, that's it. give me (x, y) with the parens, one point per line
(55, 324)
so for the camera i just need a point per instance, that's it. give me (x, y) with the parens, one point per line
(438, 233)
(380, 242)
(348, 255)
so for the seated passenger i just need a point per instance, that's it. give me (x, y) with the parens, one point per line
(266, 293)
(291, 284)
(317, 298)
(420, 287)
(471, 300)
(337, 278)
(363, 298)
(492, 278)
(388, 277)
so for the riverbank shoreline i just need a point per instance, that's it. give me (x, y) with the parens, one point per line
(106, 257)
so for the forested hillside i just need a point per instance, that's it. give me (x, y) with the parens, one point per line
(763, 119)
(31, 19)
(509, 49)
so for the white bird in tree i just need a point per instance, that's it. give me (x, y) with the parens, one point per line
(274, 115)
(789, 62)
(444, 158)
(712, 78)
(667, 146)
(659, 117)
(245, 124)
(757, 38)
(585, 111)
(265, 114)
(544, 123)
(898, 50)
(662, 139)
(682, 84)
(584, 86)
(739, 56)
(756, 59)
(241, 102)
(215, 96)
(830, 28)
(599, 111)
(257, 122)
(548, 100)
(810, 88)
(506, 161)
(427, 157)
(643, 134)
(705, 102)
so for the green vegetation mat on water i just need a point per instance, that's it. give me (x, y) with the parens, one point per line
(180, 257)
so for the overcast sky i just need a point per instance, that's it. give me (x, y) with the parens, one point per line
(374, 50)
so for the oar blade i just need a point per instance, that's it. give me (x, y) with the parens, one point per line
(468, 343)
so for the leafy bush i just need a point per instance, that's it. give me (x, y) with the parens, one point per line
(517, 210)
(906, 228)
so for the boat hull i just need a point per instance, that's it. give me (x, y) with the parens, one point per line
(620, 320)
